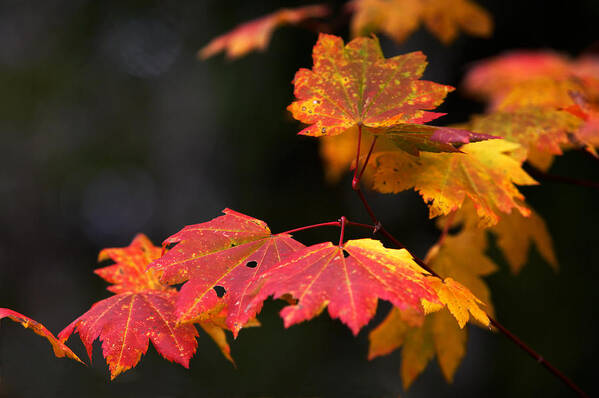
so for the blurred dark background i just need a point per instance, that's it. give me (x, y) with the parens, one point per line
(111, 126)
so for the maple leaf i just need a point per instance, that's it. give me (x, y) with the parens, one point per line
(588, 133)
(542, 92)
(586, 70)
(396, 18)
(126, 322)
(59, 348)
(444, 17)
(533, 78)
(399, 18)
(439, 335)
(143, 310)
(322, 276)
(230, 251)
(486, 173)
(463, 257)
(459, 300)
(494, 77)
(128, 273)
(515, 236)
(413, 138)
(354, 84)
(255, 34)
(540, 130)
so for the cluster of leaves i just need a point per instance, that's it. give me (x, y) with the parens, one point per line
(539, 104)
(473, 184)
(396, 18)
(229, 266)
(542, 100)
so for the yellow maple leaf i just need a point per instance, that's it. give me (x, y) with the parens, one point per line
(460, 301)
(544, 92)
(540, 130)
(486, 173)
(515, 236)
(463, 258)
(417, 351)
(450, 343)
(439, 335)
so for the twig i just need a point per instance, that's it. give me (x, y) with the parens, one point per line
(541, 175)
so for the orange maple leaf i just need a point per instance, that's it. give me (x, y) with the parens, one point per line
(355, 85)
(255, 34)
(59, 348)
(399, 18)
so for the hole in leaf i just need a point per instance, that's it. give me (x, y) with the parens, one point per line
(345, 254)
(220, 291)
(289, 299)
(170, 246)
(251, 264)
(455, 229)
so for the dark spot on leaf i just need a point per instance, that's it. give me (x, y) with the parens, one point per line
(345, 254)
(220, 291)
(251, 264)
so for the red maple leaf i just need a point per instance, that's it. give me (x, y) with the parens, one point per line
(142, 311)
(322, 276)
(230, 251)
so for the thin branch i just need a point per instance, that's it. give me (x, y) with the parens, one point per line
(343, 221)
(324, 224)
(446, 228)
(375, 221)
(355, 182)
(541, 175)
(329, 224)
(556, 372)
(340, 20)
(367, 158)
(539, 358)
